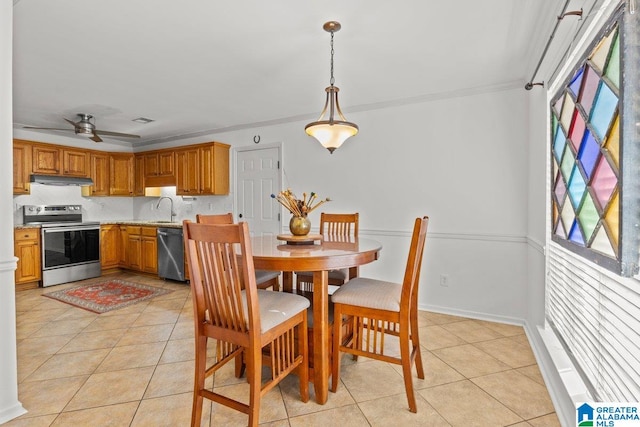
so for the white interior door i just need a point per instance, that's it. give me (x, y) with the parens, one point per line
(257, 178)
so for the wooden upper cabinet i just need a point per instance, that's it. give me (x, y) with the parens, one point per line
(188, 171)
(159, 169)
(99, 174)
(55, 160)
(75, 163)
(21, 167)
(121, 174)
(138, 175)
(214, 169)
(46, 160)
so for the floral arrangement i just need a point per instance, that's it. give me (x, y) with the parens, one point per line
(299, 207)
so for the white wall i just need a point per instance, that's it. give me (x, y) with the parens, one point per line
(461, 160)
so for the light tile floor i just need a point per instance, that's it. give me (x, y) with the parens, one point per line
(134, 367)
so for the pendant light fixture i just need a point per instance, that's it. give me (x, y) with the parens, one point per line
(331, 133)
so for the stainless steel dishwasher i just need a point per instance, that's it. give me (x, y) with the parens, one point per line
(171, 254)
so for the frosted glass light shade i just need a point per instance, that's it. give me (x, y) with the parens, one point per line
(331, 135)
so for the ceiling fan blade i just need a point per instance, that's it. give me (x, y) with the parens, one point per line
(107, 133)
(95, 138)
(70, 122)
(35, 127)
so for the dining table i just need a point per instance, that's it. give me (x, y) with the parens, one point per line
(319, 256)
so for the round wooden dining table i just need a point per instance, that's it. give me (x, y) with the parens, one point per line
(270, 253)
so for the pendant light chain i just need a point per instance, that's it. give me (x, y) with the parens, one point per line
(332, 80)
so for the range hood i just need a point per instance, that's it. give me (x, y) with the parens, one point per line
(60, 180)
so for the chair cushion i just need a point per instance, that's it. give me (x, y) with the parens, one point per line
(276, 307)
(372, 293)
(265, 275)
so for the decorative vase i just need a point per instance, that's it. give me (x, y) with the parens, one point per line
(299, 225)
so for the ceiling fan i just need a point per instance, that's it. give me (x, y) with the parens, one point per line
(86, 127)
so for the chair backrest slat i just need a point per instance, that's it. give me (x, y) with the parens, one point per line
(339, 226)
(219, 272)
(226, 218)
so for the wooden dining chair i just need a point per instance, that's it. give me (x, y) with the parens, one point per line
(248, 320)
(376, 308)
(336, 227)
(264, 279)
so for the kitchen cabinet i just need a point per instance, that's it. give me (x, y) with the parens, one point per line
(214, 169)
(120, 174)
(138, 175)
(99, 173)
(203, 170)
(122, 247)
(27, 249)
(109, 246)
(75, 163)
(159, 169)
(142, 249)
(149, 250)
(188, 171)
(46, 159)
(53, 160)
(21, 167)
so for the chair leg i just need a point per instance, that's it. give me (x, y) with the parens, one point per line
(303, 349)
(405, 356)
(199, 379)
(337, 340)
(254, 375)
(415, 340)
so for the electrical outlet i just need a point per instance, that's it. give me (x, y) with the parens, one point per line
(444, 280)
(210, 206)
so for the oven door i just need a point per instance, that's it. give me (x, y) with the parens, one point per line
(65, 246)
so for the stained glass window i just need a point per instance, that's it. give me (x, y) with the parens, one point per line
(586, 154)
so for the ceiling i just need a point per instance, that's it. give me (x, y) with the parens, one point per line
(199, 67)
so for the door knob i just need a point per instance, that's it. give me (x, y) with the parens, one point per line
(240, 216)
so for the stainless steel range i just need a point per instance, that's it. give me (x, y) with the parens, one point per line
(70, 247)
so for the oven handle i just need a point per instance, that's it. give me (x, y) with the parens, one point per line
(73, 228)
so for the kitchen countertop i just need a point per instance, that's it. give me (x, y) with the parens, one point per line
(150, 223)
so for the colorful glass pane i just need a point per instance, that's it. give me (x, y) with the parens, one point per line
(576, 187)
(567, 216)
(559, 144)
(588, 217)
(604, 181)
(612, 144)
(613, 66)
(588, 154)
(567, 113)
(560, 230)
(560, 189)
(567, 162)
(589, 88)
(605, 105)
(601, 52)
(612, 219)
(577, 130)
(601, 243)
(558, 105)
(575, 235)
(574, 86)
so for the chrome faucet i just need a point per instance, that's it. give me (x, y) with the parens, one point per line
(172, 211)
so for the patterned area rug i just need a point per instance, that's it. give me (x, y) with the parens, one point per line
(107, 296)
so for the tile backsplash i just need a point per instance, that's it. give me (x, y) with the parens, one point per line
(122, 208)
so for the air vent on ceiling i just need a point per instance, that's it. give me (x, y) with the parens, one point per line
(142, 120)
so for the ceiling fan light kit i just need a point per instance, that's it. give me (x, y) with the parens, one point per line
(86, 127)
(331, 133)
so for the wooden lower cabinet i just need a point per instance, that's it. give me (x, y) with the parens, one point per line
(109, 246)
(27, 249)
(142, 249)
